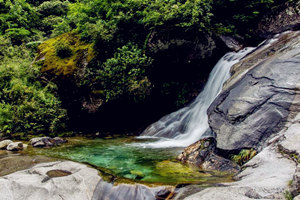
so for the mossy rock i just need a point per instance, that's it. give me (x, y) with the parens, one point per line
(174, 169)
(51, 62)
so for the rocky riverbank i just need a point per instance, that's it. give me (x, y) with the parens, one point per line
(259, 108)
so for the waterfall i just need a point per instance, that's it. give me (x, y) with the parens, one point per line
(189, 124)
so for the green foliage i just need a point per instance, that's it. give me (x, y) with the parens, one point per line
(22, 21)
(27, 106)
(125, 74)
(242, 21)
(244, 156)
(288, 195)
(57, 8)
(17, 34)
(106, 16)
(63, 50)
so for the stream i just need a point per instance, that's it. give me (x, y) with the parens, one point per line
(128, 162)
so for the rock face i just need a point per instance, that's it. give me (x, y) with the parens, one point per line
(5, 143)
(269, 175)
(15, 146)
(286, 18)
(257, 100)
(47, 141)
(203, 155)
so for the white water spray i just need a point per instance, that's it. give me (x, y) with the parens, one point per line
(189, 124)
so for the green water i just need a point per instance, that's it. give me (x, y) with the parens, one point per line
(130, 162)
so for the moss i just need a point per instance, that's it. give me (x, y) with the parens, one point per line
(64, 66)
(173, 169)
(244, 156)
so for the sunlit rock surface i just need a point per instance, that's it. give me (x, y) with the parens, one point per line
(259, 97)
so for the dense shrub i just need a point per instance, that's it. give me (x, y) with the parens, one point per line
(57, 8)
(27, 105)
(124, 74)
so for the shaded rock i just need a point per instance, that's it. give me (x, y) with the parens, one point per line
(15, 146)
(5, 143)
(196, 153)
(46, 142)
(231, 43)
(202, 154)
(256, 100)
(215, 162)
(287, 17)
(163, 194)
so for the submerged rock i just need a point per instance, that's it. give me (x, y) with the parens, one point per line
(47, 141)
(5, 143)
(15, 146)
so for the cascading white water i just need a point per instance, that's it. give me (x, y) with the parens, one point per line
(189, 124)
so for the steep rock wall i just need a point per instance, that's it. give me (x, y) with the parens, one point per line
(256, 102)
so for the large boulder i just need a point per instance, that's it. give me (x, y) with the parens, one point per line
(15, 146)
(257, 100)
(34, 183)
(272, 174)
(47, 141)
(5, 143)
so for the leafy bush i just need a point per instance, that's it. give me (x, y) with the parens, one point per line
(112, 15)
(125, 74)
(57, 8)
(17, 35)
(26, 105)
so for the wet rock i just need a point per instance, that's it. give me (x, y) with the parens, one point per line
(44, 142)
(15, 146)
(5, 143)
